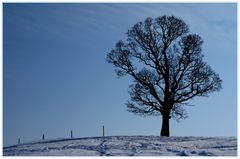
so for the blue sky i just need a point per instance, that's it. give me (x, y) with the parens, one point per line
(56, 78)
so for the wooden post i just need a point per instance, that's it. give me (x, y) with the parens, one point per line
(18, 141)
(103, 131)
(43, 137)
(71, 134)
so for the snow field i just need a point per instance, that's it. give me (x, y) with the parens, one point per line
(128, 146)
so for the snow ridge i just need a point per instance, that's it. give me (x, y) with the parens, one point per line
(128, 146)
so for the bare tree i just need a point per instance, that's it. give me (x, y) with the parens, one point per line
(167, 68)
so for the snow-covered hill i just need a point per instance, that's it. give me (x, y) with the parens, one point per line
(128, 146)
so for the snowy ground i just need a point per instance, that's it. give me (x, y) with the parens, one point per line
(128, 146)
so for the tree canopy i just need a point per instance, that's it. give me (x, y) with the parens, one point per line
(166, 65)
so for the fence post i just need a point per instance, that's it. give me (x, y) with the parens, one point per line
(71, 134)
(43, 137)
(18, 141)
(103, 131)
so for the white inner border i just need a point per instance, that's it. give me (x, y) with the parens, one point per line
(117, 1)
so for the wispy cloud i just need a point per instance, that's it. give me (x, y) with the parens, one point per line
(75, 19)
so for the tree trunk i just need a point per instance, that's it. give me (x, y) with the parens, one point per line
(165, 125)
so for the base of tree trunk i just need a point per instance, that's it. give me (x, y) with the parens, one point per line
(165, 126)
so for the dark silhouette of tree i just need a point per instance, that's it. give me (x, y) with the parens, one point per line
(167, 68)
